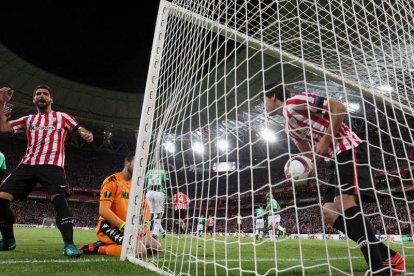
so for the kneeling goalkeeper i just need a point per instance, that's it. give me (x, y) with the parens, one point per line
(113, 207)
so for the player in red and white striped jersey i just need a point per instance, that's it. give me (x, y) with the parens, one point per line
(44, 161)
(46, 134)
(310, 118)
(210, 225)
(181, 202)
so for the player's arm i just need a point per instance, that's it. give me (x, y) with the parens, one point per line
(266, 210)
(278, 207)
(304, 147)
(337, 114)
(5, 96)
(106, 212)
(4, 124)
(85, 134)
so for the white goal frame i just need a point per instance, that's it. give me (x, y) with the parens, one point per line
(145, 129)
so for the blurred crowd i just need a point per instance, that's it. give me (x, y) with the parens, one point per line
(226, 195)
(36, 211)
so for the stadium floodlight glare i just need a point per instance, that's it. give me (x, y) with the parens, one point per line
(353, 106)
(268, 135)
(385, 89)
(198, 148)
(223, 145)
(169, 146)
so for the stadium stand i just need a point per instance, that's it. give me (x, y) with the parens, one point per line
(86, 169)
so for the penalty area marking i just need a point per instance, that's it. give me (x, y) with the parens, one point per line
(35, 261)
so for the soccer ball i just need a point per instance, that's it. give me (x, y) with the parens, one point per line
(298, 168)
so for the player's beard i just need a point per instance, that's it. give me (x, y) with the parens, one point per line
(42, 105)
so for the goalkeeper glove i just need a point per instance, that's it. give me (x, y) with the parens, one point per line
(122, 226)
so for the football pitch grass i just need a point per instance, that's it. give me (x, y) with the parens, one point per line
(39, 252)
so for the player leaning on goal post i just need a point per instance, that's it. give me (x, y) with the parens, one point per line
(312, 118)
(44, 162)
(113, 207)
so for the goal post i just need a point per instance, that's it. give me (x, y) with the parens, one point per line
(134, 216)
(203, 119)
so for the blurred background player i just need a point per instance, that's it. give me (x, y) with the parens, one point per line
(201, 224)
(156, 183)
(113, 207)
(259, 221)
(3, 166)
(181, 202)
(273, 219)
(210, 225)
(239, 230)
(44, 162)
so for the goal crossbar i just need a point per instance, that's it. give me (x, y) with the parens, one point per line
(282, 55)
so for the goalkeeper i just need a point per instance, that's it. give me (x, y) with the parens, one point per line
(113, 207)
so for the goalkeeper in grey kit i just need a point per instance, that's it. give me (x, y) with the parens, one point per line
(156, 181)
(317, 119)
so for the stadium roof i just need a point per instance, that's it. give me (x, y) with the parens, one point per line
(85, 102)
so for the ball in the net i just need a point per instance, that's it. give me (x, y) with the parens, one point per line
(298, 168)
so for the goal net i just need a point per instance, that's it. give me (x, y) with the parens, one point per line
(203, 118)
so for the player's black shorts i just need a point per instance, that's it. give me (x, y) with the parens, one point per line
(351, 183)
(21, 181)
(209, 228)
(180, 214)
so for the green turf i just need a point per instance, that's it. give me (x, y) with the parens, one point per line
(39, 252)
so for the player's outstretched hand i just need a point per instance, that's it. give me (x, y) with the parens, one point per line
(7, 112)
(6, 94)
(86, 135)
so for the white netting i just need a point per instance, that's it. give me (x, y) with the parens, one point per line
(202, 117)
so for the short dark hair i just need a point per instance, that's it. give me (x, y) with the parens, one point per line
(5, 84)
(276, 89)
(130, 156)
(44, 86)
